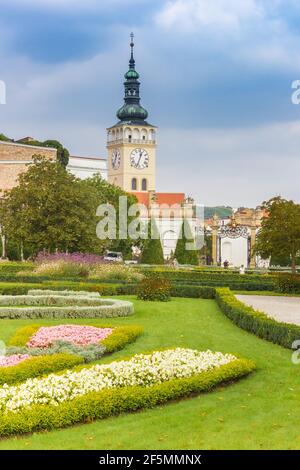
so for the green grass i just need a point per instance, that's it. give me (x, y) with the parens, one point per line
(259, 412)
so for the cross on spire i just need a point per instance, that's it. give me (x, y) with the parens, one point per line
(132, 61)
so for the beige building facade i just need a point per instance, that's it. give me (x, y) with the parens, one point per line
(14, 159)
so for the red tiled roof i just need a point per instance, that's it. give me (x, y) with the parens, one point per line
(161, 198)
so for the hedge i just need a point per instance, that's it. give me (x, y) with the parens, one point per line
(256, 322)
(199, 292)
(110, 402)
(62, 292)
(50, 300)
(37, 366)
(109, 308)
(289, 283)
(219, 279)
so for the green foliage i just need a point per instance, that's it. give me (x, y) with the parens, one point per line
(256, 322)
(110, 402)
(152, 252)
(198, 292)
(37, 366)
(4, 138)
(230, 279)
(182, 254)
(289, 283)
(154, 287)
(106, 193)
(280, 231)
(121, 336)
(23, 335)
(62, 153)
(50, 210)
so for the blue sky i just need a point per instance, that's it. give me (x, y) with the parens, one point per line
(216, 78)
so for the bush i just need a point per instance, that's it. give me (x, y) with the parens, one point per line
(182, 254)
(289, 283)
(115, 272)
(110, 402)
(154, 287)
(152, 252)
(62, 268)
(256, 322)
(38, 366)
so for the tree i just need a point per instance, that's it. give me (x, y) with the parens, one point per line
(152, 252)
(107, 193)
(50, 210)
(182, 254)
(62, 153)
(279, 235)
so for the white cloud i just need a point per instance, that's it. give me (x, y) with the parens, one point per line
(231, 166)
(190, 15)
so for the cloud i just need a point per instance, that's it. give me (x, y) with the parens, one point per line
(190, 15)
(231, 166)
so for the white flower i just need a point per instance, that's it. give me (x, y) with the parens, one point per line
(141, 369)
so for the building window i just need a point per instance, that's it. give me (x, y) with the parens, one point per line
(133, 184)
(144, 184)
(129, 138)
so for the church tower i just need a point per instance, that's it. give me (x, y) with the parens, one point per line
(131, 143)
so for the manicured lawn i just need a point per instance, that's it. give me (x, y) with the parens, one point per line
(259, 412)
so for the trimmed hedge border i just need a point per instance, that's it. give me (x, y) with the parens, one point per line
(256, 322)
(99, 405)
(109, 308)
(38, 366)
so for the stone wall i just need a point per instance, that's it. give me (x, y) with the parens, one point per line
(13, 161)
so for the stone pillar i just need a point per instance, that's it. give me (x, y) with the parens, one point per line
(252, 242)
(215, 228)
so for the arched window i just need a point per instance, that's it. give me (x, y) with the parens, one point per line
(144, 184)
(134, 184)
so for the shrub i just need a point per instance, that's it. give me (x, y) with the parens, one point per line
(154, 287)
(109, 402)
(152, 252)
(256, 322)
(38, 366)
(289, 283)
(182, 254)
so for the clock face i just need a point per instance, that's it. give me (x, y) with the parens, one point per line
(139, 159)
(116, 159)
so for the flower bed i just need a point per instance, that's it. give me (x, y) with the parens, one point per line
(61, 354)
(75, 334)
(103, 390)
(141, 369)
(13, 360)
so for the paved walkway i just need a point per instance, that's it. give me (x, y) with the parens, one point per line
(284, 309)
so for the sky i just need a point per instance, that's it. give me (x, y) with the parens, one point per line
(216, 78)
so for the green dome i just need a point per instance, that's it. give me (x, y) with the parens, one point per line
(132, 112)
(131, 74)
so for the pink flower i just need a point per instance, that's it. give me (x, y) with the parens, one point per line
(7, 361)
(75, 334)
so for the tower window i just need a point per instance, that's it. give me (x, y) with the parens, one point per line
(144, 138)
(129, 138)
(144, 184)
(134, 184)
